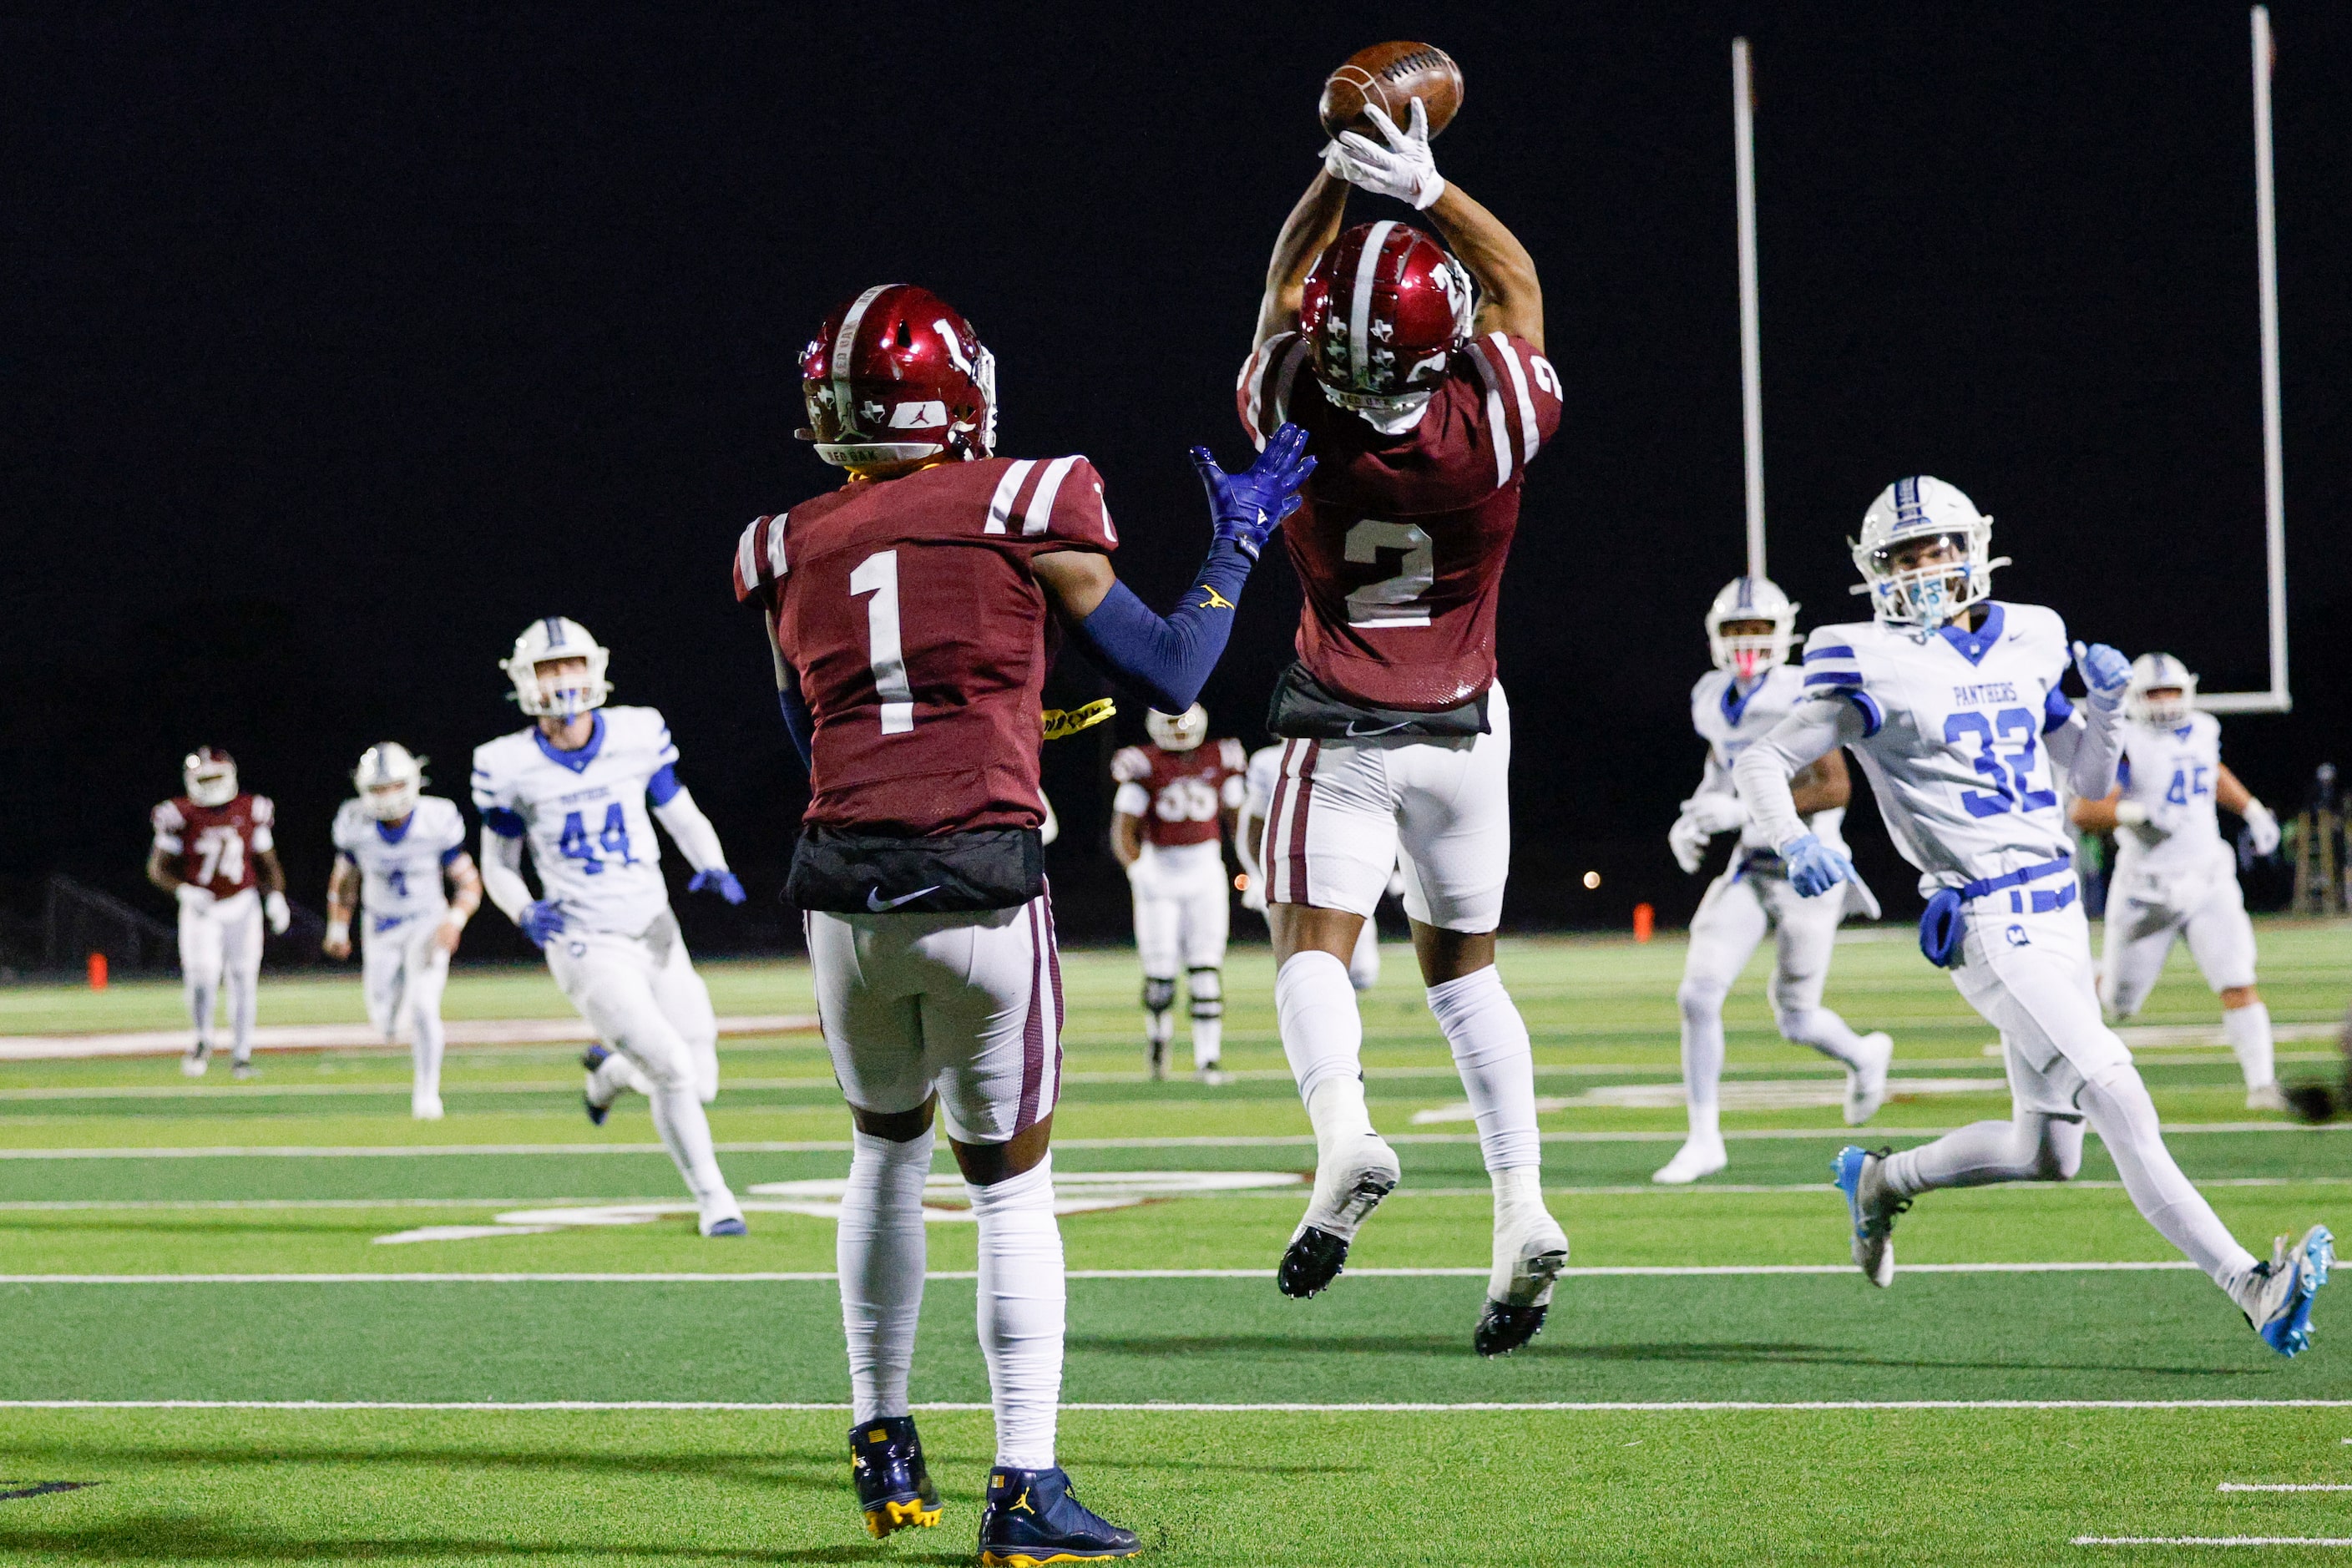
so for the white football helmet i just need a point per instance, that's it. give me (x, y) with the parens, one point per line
(1751, 599)
(209, 776)
(389, 779)
(1932, 596)
(2153, 672)
(551, 638)
(1177, 732)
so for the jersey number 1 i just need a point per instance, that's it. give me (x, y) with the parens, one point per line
(879, 574)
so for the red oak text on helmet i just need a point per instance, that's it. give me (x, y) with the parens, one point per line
(898, 375)
(1383, 312)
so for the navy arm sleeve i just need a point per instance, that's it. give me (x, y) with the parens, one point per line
(1169, 660)
(797, 723)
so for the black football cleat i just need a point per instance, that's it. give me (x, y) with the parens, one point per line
(1503, 1329)
(1033, 1519)
(1311, 1261)
(591, 1059)
(894, 1489)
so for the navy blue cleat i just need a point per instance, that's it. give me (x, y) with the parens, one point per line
(591, 1059)
(894, 1488)
(1032, 1519)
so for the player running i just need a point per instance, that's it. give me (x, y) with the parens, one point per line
(2175, 877)
(1177, 798)
(214, 852)
(1951, 700)
(913, 613)
(575, 785)
(1426, 395)
(1249, 840)
(394, 848)
(1749, 629)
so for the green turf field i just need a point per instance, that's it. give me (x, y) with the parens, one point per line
(342, 1395)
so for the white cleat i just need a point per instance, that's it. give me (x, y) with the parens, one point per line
(719, 1221)
(1348, 1187)
(1865, 1086)
(1213, 1075)
(192, 1065)
(2266, 1097)
(1699, 1156)
(424, 1107)
(1529, 1253)
(1859, 1176)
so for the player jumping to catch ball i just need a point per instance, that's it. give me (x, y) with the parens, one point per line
(912, 615)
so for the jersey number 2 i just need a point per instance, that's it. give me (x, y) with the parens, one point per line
(879, 574)
(1391, 600)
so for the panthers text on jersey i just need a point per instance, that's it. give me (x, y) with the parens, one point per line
(1179, 795)
(584, 814)
(1952, 728)
(2173, 771)
(213, 846)
(920, 639)
(1731, 721)
(1400, 547)
(400, 868)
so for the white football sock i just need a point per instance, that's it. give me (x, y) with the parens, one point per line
(2029, 1147)
(425, 1052)
(2248, 1029)
(1825, 1031)
(1022, 1312)
(685, 1133)
(1498, 1066)
(1206, 987)
(200, 1011)
(1702, 1007)
(1323, 1035)
(1159, 1026)
(2125, 1118)
(878, 1248)
(242, 992)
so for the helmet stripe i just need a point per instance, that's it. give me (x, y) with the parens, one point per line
(1360, 305)
(554, 625)
(845, 406)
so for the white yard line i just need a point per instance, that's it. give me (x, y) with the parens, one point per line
(2214, 1541)
(1175, 1408)
(805, 1276)
(841, 1146)
(461, 1032)
(2280, 1487)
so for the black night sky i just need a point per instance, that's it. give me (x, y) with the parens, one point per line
(340, 342)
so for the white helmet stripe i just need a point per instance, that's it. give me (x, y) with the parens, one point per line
(844, 407)
(1359, 307)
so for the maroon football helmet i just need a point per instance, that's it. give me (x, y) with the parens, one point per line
(1383, 311)
(897, 375)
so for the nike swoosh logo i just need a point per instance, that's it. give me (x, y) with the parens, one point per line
(1354, 729)
(881, 905)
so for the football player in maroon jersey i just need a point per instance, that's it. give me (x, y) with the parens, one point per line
(1178, 799)
(912, 615)
(1419, 375)
(215, 853)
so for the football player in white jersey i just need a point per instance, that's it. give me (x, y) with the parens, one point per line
(2174, 876)
(1249, 844)
(1177, 798)
(574, 785)
(394, 848)
(1749, 629)
(1951, 700)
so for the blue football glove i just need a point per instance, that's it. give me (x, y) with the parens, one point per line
(720, 879)
(541, 920)
(1248, 506)
(2105, 674)
(1814, 868)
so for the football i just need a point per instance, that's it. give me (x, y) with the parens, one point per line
(1391, 75)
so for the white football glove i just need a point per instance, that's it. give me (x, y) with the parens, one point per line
(1689, 840)
(192, 897)
(1716, 813)
(274, 906)
(1403, 169)
(2261, 829)
(1254, 896)
(2130, 814)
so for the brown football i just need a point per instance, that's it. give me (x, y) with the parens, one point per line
(1391, 75)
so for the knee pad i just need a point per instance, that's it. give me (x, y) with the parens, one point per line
(1701, 995)
(1208, 989)
(1159, 995)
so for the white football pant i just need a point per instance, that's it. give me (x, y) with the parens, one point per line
(2146, 916)
(403, 972)
(1738, 910)
(220, 950)
(641, 996)
(2029, 976)
(1183, 911)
